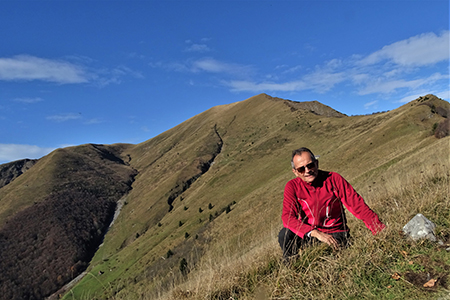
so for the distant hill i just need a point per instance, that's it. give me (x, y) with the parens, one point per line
(10, 171)
(214, 179)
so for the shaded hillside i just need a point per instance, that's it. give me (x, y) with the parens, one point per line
(12, 170)
(73, 194)
(237, 200)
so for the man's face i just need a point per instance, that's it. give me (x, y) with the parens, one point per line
(304, 160)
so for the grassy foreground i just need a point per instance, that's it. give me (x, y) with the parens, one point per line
(386, 266)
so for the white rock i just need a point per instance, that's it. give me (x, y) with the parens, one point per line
(419, 228)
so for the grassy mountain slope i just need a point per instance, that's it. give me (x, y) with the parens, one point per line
(209, 191)
(202, 204)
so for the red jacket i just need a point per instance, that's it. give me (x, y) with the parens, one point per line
(318, 205)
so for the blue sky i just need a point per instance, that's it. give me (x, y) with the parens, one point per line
(77, 72)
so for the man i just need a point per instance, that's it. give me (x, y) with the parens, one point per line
(313, 207)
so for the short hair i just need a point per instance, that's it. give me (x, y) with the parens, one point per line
(299, 151)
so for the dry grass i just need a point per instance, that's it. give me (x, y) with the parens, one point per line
(363, 271)
(236, 255)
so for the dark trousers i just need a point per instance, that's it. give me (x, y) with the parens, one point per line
(290, 243)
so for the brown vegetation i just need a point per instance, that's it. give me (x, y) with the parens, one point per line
(50, 242)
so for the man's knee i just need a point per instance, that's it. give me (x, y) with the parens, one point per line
(285, 236)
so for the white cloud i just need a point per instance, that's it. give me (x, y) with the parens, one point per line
(443, 94)
(12, 152)
(404, 67)
(387, 86)
(212, 65)
(197, 48)
(290, 70)
(26, 67)
(242, 85)
(28, 100)
(440, 94)
(64, 117)
(194, 47)
(209, 65)
(420, 50)
(104, 77)
(29, 68)
(412, 97)
(93, 121)
(370, 104)
(318, 81)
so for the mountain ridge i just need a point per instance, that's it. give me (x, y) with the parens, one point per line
(227, 156)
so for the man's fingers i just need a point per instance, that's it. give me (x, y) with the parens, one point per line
(326, 238)
(332, 242)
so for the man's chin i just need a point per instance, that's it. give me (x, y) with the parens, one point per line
(309, 179)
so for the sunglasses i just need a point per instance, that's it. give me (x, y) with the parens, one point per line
(310, 166)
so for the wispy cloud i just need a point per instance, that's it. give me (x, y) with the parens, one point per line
(75, 71)
(60, 118)
(212, 65)
(319, 81)
(26, 67)
(441, 94)
(12, 152)
(64, 117)
(395, 67)
(384, 86)
(93, 121)
(421, 50)
(370, 104)
(28, 100)
(196, 47)
(104, 77)
(207, 65)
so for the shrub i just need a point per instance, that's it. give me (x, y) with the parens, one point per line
(183, 266)
(443, 129)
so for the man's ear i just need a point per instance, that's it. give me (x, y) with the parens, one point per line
(295, 172)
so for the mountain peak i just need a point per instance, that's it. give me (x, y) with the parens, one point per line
(313, 106)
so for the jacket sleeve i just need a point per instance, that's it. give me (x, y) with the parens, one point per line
(357, 206)
(293, 216)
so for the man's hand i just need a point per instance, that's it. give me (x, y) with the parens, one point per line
(326, 238)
